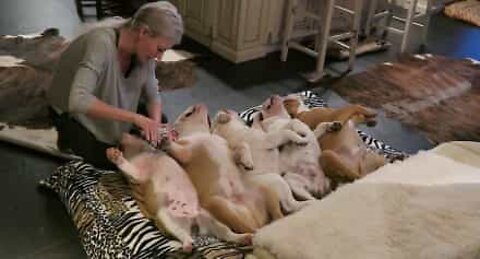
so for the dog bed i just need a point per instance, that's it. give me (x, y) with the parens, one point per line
(111, 225)
(468, 11)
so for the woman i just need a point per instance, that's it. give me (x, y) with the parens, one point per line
(104, 75)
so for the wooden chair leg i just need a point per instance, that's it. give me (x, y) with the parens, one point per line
(99, 9)
(80, 13)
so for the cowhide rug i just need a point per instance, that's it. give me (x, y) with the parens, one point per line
(467, 11)
(437, 95)
(27, 63)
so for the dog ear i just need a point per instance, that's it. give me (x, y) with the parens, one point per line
(223, 118)
(291, 105)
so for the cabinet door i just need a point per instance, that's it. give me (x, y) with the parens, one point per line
(253, 23)
(198, 18)
(226, 23)
(241, 24)
(240, 29)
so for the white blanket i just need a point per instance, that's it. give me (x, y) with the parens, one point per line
(425, 207)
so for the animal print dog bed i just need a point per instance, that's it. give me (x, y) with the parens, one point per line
(111, 225)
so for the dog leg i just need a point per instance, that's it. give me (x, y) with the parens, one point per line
(299, 127)
(210, 225)
(282, 137)
(336, 168)
(180, 150)
(357, 113)
(243, 156)
(116, 157)
(236, 217)
(283, 191)
(296, 186)
(176, 229)
(372, 162)
(325, 127)
(272, 203)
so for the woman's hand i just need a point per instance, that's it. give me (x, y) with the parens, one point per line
(168, 132)
(149, 128)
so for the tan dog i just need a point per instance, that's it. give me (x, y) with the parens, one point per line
(345, 156)
(164, 192)
(263, 149)
(210, 165)
(299, 163)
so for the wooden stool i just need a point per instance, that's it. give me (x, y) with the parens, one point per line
(323, 36)
(410, 20)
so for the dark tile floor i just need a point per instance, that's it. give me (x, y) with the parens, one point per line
(34, 222)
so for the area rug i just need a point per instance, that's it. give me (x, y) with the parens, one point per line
(438, 96)
(27, 63)
(468, 11)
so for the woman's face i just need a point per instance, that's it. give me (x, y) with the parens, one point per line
(149, 47)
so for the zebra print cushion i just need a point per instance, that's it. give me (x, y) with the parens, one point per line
(111, 225)
(313, 100)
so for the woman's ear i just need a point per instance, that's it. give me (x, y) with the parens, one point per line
(143, 31)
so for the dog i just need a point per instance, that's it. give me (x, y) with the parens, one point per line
(165, 194)
(213, 171)
(263, 149)
(345, 157)
(299, 163)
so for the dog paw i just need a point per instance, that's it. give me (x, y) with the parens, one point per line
(114, 155)
(187, 246)
(223, 117)
(245, 239)
(247, 166)
(302, 141)
(335, 126)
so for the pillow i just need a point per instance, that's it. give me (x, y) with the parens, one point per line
(111, 225)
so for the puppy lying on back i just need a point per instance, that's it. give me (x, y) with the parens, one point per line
(345, 156)
(164, 192)
(210, 165)
(313, 116)
(262, 149)
(298, 163)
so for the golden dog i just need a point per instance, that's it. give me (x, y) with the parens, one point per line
(345, 156)
(164, 192)
(210, 165)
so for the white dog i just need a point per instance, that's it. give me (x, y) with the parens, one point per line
(165, 194)
(262, 149)
(299, 163)
(210, 165)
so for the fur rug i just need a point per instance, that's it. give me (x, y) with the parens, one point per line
(27, 63)
(468, 11)
(424, 207)
(438, 96)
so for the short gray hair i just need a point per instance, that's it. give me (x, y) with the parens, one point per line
(161, 18)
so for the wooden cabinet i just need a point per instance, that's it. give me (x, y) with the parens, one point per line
(241, 30)
(234, 29)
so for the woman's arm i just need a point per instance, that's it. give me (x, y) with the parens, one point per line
(99, 109)
(152, 94)
(155, 111)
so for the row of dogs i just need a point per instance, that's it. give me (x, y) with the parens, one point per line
(230, 179)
